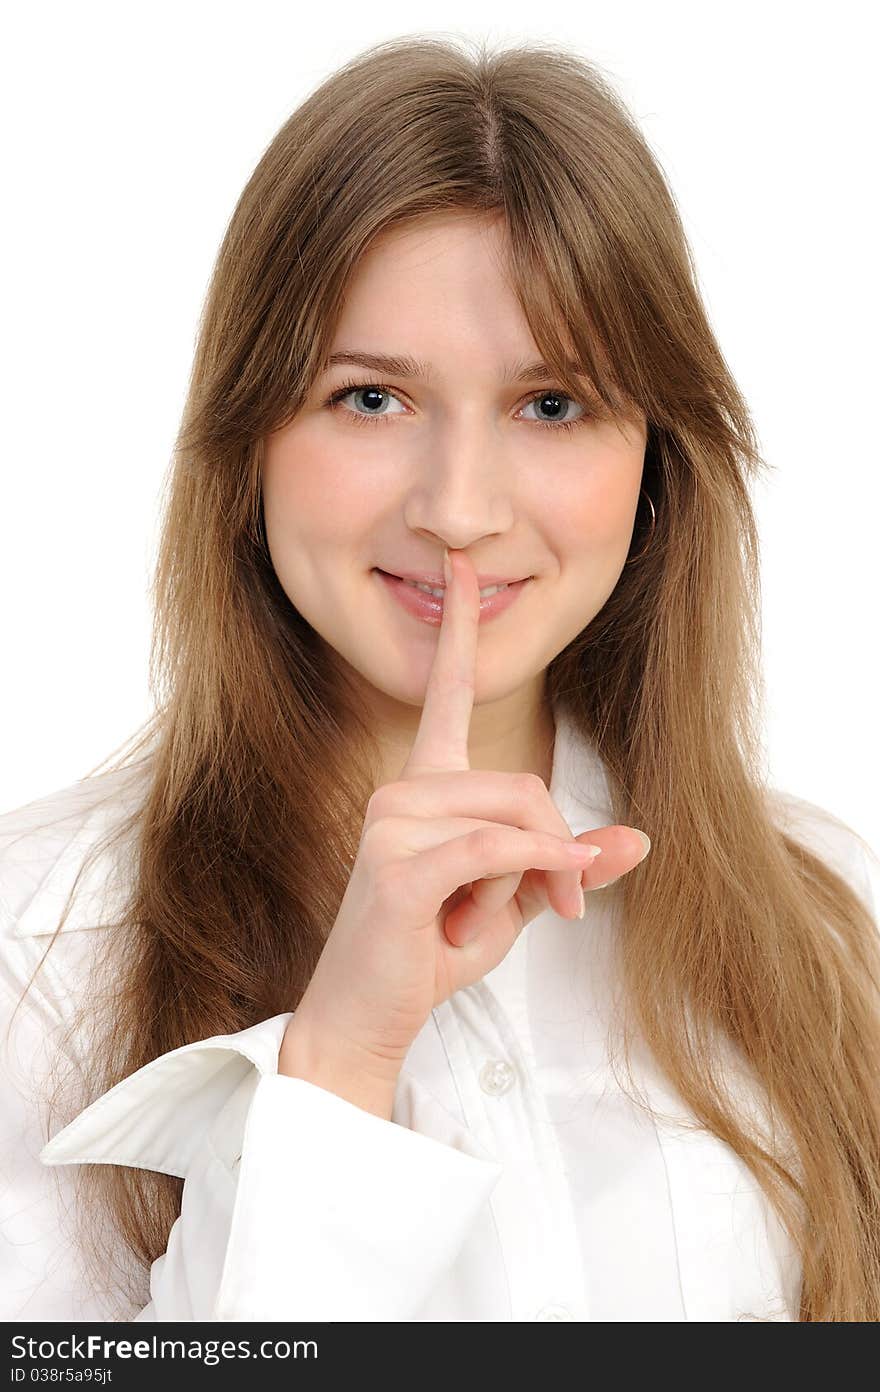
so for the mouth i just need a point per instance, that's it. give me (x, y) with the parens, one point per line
(427, 602)
(438, 588)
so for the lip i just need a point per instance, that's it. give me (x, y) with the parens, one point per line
(429, 608)
(422, 577)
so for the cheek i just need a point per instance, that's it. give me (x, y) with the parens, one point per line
(596, 508)
(308, 493)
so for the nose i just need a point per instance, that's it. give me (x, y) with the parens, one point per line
(461, 487)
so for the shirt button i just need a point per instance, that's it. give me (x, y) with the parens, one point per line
(554, 1312)
(496, 1077)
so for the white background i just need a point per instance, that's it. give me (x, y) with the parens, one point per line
(130, 132)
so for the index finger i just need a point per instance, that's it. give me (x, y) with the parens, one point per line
(441, 741)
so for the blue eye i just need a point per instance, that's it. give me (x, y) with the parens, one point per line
(557, 396)
(368, 389)
(335, 401)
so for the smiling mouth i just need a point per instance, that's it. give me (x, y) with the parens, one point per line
(428, 603)
(439, 590)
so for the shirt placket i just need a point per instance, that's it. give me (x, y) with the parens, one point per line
(489, 1049)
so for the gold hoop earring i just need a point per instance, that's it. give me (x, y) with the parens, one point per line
(641, 553)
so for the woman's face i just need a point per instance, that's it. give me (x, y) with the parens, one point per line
(405, 465)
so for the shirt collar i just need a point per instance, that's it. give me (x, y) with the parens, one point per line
(579, 781)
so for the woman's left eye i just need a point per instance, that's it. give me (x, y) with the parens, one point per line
(374, 389)
(555, 396)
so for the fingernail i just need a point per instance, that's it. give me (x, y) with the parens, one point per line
(581, 848)
(447, 565)
(646, 841)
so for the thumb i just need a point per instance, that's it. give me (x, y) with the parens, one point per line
(622, 847)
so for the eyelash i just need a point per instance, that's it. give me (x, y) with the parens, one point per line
(333, 403)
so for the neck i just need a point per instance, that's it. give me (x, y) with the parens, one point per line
(515, 740)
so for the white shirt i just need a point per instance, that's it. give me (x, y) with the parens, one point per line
(516, 1181)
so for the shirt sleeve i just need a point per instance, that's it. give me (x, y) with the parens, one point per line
(297, 1204)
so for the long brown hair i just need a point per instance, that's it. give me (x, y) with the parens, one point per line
(260, 766)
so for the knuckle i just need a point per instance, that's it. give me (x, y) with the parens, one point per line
(455, 680)
(381, 802)
(529, 786)
(488, 840)
(376, 837)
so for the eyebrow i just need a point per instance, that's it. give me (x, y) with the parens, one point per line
(395, 365)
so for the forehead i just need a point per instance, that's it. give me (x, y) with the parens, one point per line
(436, 294)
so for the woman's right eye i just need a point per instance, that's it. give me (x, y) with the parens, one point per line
(366, 389)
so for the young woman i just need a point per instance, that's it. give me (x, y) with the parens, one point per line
(299, 994)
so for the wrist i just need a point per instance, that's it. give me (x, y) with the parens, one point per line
(339, 1067)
